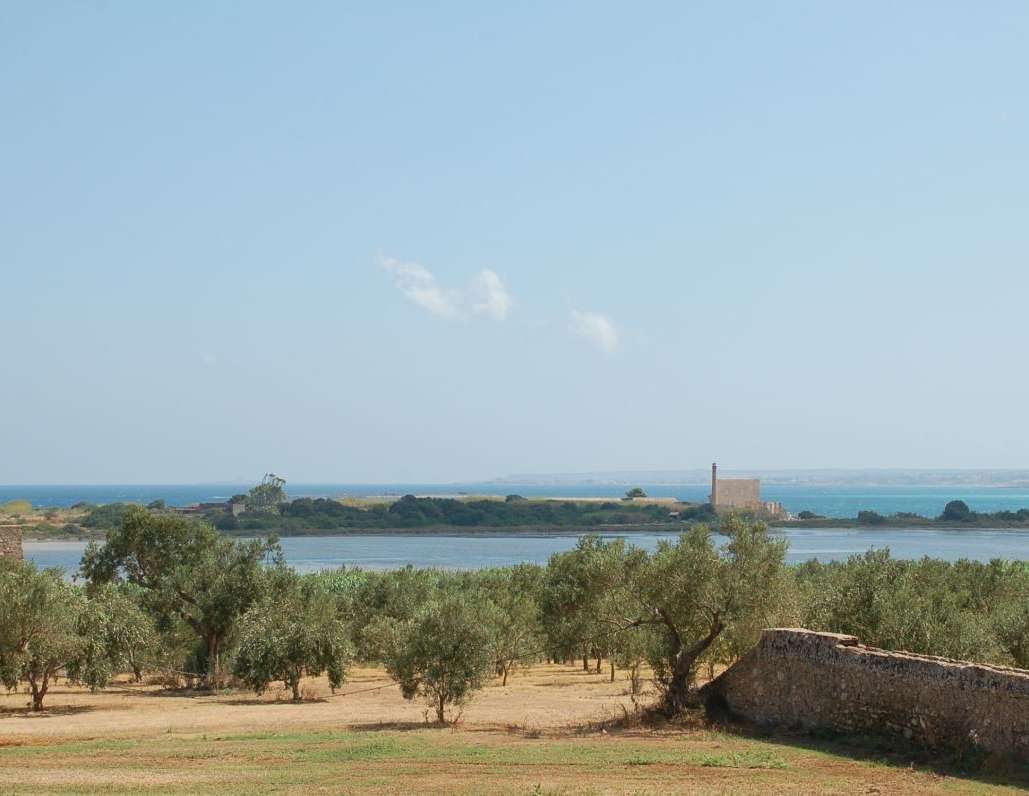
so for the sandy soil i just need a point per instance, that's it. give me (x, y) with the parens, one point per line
(547, 697)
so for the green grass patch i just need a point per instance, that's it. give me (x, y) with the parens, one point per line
(371, 761)
(745, 759)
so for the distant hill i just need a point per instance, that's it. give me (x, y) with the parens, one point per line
(841, 477)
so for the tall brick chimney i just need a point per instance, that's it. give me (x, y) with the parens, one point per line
(714, 484)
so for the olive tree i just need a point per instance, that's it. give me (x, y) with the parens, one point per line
(294, 631)
(120, 627)
(630, 650)
(690, 591)
(1011, 621)
(185, 570)
(48, 626)
(518, 636)
(396, 595)
(930, 607)
(443, 654)
(577, 585)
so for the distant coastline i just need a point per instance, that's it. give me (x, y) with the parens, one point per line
(829, 477)
(844, 497)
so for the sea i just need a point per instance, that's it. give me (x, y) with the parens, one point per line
(375, 551)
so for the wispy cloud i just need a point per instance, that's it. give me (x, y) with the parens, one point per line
(490, 296)
(595, 328)
(487, 295)
(419, 285)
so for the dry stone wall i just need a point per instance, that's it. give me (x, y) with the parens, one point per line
(803, 679)
(10, 542)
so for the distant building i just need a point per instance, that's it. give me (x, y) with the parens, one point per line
(741, 494)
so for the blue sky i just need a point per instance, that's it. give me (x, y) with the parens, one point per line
(388, 242)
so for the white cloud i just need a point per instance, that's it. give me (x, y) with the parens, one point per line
(490, 295)
(419, 285)
(487, 294)
(595, 328)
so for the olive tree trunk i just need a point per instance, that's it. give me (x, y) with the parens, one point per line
(679, 693)
(213, 664)
(39, 688)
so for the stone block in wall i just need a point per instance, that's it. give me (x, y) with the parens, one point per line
(827, 681)
(10, 542)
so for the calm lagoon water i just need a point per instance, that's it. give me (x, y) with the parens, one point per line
(311, 553)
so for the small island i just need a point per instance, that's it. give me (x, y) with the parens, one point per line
(266, 509)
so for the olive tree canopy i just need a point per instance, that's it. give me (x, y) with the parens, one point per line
(187, 570)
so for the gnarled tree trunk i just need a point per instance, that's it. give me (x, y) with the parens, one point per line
(678, 695)
(39, 688)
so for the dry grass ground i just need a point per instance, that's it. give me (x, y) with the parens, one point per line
(553, 729)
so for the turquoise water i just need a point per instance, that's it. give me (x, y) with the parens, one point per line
(830, 501)
(310, 553)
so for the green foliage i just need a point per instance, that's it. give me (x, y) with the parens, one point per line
(48, 625)
(117, 635)
(687, 600)
(107, 516)
(122, 635)
(184, 570)
(966, 610)
(16, 507)
(1011, 617)
(157, 505)
(267, 496)
(957, 511)
(577, 584)
(395, 596)
(635, 492)
(517, 632)
(691, 591)
(443, 654)
(294, 630)
(313, 515)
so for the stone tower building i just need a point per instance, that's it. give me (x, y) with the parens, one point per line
(735, 493)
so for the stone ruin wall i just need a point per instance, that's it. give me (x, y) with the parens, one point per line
(10, 542)
(826, 681)
(739, 493)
